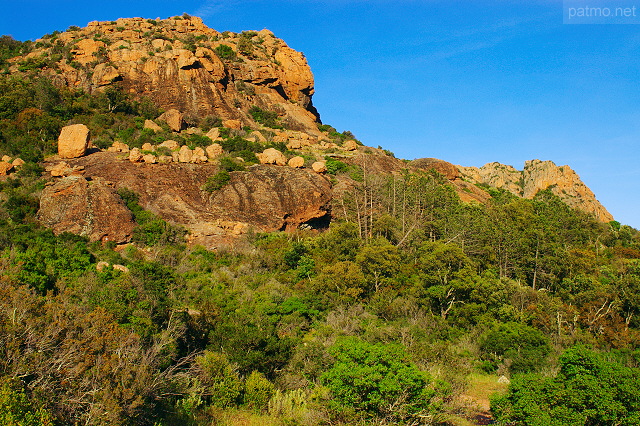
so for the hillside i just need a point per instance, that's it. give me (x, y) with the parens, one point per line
(252, 86)
(184, 242)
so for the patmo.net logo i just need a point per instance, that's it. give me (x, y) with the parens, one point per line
(582, 12)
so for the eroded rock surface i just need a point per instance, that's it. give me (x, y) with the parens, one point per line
(89, 208)
(264, 198)
(219, 74)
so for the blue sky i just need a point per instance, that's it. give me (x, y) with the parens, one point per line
(469, 82)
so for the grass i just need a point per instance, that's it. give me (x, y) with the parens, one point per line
(481, 387)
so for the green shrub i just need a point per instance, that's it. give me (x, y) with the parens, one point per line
(335, 166)
(266, 118)
(525, 347)
(258, 390)
(220, 378)
(16, 409)
(588, 390)
(217, 181)
(230, 165)
(377, 379)
(225, 52)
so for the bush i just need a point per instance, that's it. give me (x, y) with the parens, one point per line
(217, 181)
(266, 118)
(258, 391)
(588, 390)
(220, 379)
(377, 379)
(225, 52)
(16, 409)
(526, 347)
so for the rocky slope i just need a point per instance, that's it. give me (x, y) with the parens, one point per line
(263, 199)
(183, 64)
(537, 176)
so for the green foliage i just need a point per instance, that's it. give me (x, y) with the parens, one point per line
(245, 44)
(9, 48)
(223, 386)
(231, 165)
(217, 181)
(225, 52)
(266, 118)
(588, 390)
(525, 347)
(378, 380)
(258, 390)
(17, 410)
(151, 230)
(335, 166)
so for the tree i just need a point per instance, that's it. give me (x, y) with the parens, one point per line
(525, 347)
(588, 390)
(378, 380)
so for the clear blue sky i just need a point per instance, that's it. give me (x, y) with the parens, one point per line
(469, 82)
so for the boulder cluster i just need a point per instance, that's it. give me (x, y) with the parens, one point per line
(8, 164)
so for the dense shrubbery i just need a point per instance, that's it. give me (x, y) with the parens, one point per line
(308, 327)
(380, 319)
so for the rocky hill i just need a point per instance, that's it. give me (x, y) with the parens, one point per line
(183, 64)
(536, 176)
(266, 164)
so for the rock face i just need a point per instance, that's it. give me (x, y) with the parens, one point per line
(221, 75)
(537, 176)
(446, 169)
(73, 141)
(264, 198)
(5, 168)
(89, 208)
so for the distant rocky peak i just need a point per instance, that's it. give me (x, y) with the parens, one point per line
(537, 176)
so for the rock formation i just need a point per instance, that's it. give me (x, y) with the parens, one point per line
(537, 176)
(201, 77)
(265, 198)
(89, 208)
(181, 64)
(73, 141)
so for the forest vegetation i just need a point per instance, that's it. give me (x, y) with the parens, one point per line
(387, 317)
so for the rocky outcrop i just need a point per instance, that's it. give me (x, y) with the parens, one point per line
(73, 141)
(180, 63)
(265, 198)
(446, 169)
(5, 168)
(89, 208)
(537, 176)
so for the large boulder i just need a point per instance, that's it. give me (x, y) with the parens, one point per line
(272, 156)
(148, 124)
(5, 168)
(214, 151)
(232, 124)
(174, 119)
(296, 162)
(213, 134)
(89, 208)
(319, 167)
(73, 141)
(171, 144)
(185, 155)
